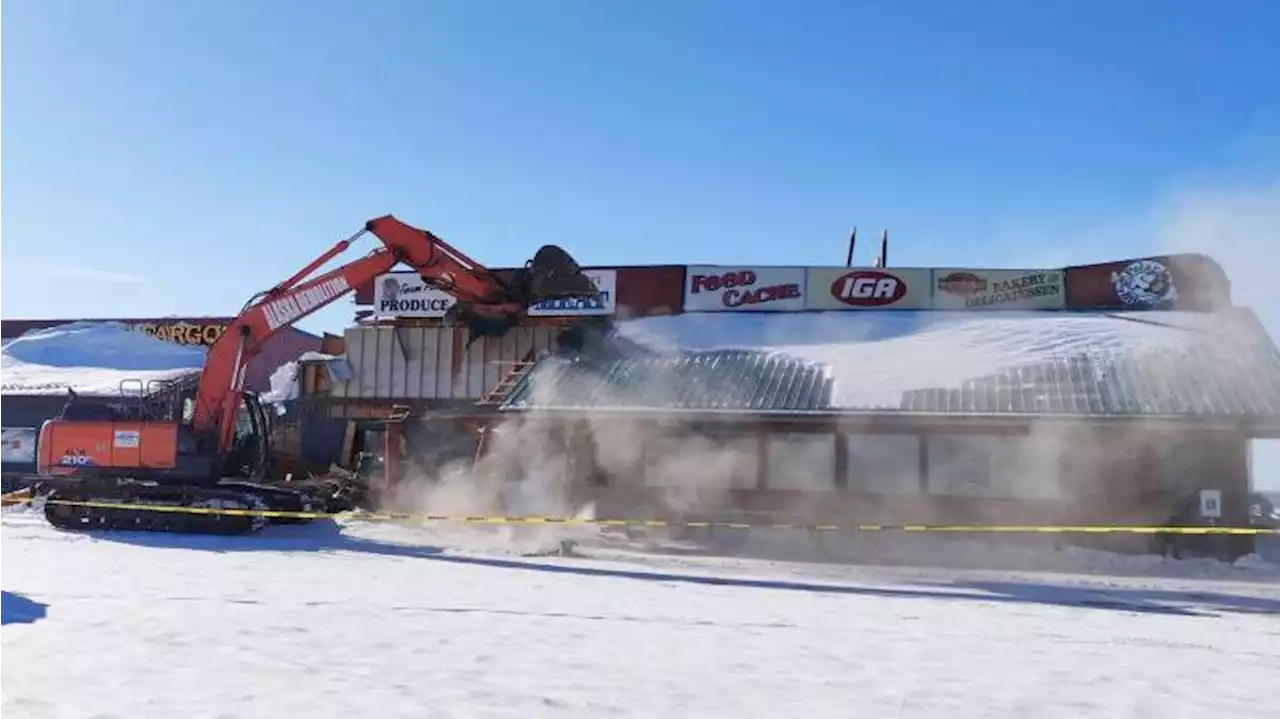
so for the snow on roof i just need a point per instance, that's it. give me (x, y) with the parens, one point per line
(284, 379)
(1021, 362)
(92, 358)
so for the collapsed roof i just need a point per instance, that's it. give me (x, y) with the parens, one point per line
(1134, 364)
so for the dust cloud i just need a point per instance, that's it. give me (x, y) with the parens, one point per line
(619, 465)
(537, 464)
(1239, 227)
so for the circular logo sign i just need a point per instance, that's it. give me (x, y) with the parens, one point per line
(868, 288)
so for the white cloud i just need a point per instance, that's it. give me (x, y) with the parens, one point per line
(1239, 226)
(73, 272)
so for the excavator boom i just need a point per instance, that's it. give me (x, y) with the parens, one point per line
(485, 300)
(113, 473)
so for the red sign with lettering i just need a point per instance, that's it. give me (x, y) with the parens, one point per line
(868, 288)
(711, 289)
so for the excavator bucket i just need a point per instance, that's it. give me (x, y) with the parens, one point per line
(553, 274)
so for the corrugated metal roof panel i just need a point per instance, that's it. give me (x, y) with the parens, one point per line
(1194, 381)
(720, 380)
(1165, 370)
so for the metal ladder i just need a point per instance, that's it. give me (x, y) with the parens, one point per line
(508, 382)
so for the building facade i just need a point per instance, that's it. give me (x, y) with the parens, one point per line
(1096, 394)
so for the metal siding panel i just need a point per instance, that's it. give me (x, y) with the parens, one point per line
(413, 338)
(475, 385)
(524, 343)
(353, 341)
(497, 359)
(349, 340)
(395, 363)
(368, 363)
(445, 362)
(541, 339)
(384, 352)
(439, 357)
(458, 368)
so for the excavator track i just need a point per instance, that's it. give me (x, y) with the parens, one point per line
(137, 508)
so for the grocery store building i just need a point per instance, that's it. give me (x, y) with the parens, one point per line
(1106, 393)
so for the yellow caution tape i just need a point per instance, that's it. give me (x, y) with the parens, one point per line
(361, 515)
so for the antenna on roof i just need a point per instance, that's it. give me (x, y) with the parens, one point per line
(853, 240)
(883, 259)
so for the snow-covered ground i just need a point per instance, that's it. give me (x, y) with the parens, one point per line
(357, 619)
(92, 358)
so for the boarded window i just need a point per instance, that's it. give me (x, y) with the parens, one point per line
(696, 461)
(801, 461)
(1188, 462)
(884, 463)
(998, 467)
(959, 465)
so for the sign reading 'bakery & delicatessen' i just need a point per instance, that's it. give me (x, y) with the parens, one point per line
(965, 289)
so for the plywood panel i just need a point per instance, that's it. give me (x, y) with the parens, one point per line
(414, 338)
(801, 461)
(524, 343)
(395, 363)
(436, 365)
(437, 370)
(883, 463)
(508, 355)
(476, 366)
(349, 340)
(542, 337)
(385, 352)
(458, 340)
(368, 371)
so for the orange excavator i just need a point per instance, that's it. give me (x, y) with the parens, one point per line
(177, 462)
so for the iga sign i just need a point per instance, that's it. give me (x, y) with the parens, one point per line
(606, 282)
(842, 288)
(405, 294)
(999, 290)
(710, 288)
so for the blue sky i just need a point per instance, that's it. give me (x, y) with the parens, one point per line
(168, 157)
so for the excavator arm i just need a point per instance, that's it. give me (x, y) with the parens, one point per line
(484, 299)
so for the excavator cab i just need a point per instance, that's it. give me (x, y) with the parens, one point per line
(251, 448)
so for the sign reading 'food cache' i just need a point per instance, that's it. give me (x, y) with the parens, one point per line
(964, 289)
(724, 288)
(845, 288)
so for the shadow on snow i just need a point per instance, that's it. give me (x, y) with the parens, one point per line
(316, 536)
(1200, 602)
(17, 609)
(327, 536)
